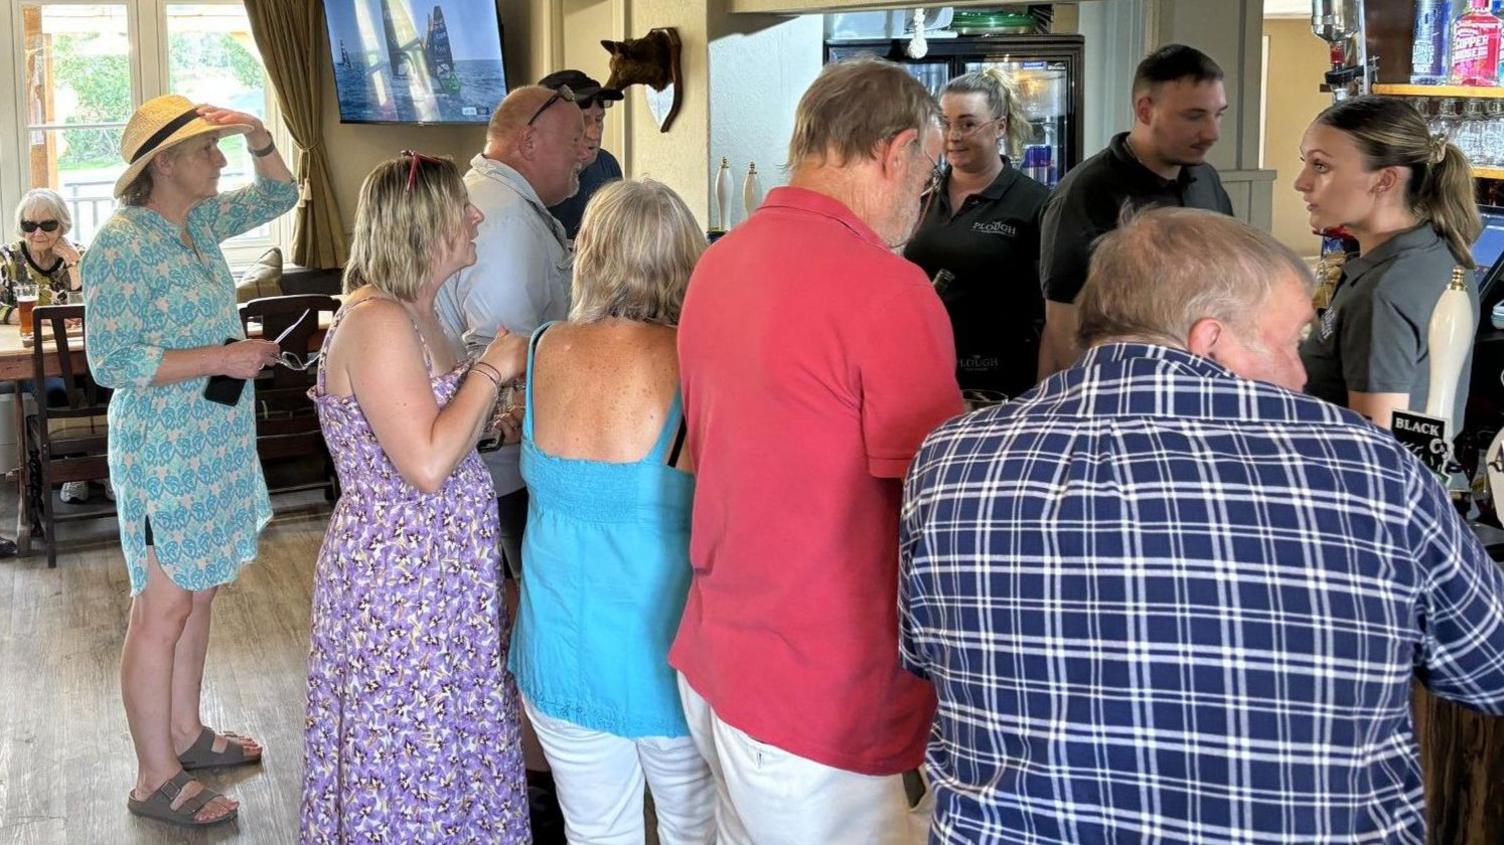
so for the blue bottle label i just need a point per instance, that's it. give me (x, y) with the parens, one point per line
(1429, 59)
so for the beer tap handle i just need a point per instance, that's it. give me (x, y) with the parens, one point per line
(1450, 337)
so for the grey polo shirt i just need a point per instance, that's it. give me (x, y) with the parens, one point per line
(1373, 336)
(520, 279)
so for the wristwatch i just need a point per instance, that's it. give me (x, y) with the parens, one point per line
(265, 151)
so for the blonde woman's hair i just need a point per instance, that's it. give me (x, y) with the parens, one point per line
(853, 106)
(399, 232)
(637, 245)
(1161, 270)
(1391, 133)
(50, 202)
(1001, 91)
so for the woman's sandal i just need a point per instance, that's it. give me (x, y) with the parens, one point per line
(159, 804)
(201, 754)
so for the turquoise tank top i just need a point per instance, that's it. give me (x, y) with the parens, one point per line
(604, 579)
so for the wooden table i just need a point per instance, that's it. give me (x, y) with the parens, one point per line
(15, 359)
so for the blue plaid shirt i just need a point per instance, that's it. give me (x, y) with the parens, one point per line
(1160, 603)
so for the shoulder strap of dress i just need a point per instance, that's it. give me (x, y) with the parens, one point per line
(532, 352)
(339, 317)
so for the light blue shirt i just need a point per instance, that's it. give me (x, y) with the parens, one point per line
(607, 551)
(520, 278)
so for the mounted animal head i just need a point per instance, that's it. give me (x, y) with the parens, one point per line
(648, 60)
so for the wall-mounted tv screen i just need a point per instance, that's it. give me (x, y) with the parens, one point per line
(416, 61)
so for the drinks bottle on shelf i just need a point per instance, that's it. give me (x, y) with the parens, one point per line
(1431, 50)
(1475, 46)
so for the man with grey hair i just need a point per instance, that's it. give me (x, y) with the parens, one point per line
(813, 361)
(1166, 596)
(520, 279)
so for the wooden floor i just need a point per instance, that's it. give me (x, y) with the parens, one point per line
(65, 755)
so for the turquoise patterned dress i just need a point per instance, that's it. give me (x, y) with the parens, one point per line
(187, 464)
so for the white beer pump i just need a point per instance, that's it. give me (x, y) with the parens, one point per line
(1449, 337)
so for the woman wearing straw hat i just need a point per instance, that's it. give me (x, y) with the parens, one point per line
(191, 498)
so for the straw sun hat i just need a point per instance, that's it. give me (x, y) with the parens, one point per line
(160, 123)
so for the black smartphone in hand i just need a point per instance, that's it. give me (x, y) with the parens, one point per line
(225, 390)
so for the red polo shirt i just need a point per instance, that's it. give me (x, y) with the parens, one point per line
(814, 360)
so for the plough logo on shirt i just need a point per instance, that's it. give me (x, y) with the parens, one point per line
(996, 227)
(1328, 323)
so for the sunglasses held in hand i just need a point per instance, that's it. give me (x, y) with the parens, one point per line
(291, 360)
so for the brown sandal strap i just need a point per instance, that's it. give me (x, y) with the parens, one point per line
(191, 806)
(201, 754)
(173, 786)
(158, 805)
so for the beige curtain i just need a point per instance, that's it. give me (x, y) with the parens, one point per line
(290, 36)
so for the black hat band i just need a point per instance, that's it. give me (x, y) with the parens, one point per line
(164, 133)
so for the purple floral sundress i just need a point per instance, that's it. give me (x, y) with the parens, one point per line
(411, 733)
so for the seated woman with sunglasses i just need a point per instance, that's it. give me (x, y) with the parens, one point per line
(981, 227)
(607, 544)
(43, 256)
(412, 727)
(47, 261)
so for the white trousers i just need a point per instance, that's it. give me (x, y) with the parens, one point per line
(599, 778)
(767, 796)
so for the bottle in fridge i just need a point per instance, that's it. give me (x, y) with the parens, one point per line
(1043, 88)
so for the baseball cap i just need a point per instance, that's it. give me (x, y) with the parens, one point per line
(584, 87)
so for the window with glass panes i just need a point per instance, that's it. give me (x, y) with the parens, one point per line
(85, 66)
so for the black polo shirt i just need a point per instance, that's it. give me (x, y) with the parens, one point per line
(1089, 202)
(991, 245)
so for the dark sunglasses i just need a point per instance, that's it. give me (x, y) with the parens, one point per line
(29, 226)
(563, 92)
(412, 167)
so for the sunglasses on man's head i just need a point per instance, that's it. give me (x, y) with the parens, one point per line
(563, 92)
(412, 167)
(29, 226)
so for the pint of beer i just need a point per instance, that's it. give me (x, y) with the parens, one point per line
(26, 299)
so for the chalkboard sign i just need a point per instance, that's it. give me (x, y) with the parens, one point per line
(1426, 439)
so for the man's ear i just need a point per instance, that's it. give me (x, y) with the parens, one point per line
(895, 155)
(1203, 337)
(1143, 107)
(527, 142)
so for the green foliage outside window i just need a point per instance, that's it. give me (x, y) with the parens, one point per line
(103, 89)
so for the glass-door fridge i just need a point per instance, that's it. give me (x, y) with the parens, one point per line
(1046, 68)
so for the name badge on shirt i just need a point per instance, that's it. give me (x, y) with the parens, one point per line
(996, 227)
(1328, 323)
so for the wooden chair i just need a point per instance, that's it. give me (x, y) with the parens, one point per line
(65, 443)
(287, 422)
